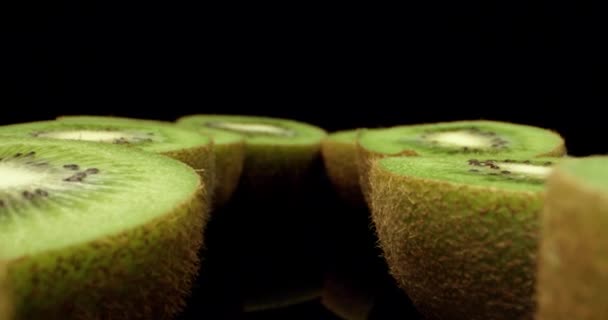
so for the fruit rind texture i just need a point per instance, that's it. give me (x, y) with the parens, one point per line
(573, 258)
(459, 251)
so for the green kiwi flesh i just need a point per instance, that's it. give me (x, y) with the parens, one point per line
(185, 145)
(460, 233)
(228, 148)
(88, 232)
(476, 137)
(274, 206)
(572, 278)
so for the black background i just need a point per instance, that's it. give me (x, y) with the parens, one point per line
(339, 66)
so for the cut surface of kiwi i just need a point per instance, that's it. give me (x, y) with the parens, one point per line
(572, 278)
(273, 223)
(188, 146)
(228, 150)
(476, 137)
(88, 232)
(464, 137)
(460, 234)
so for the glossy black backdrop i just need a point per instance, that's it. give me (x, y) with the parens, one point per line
(338, 67)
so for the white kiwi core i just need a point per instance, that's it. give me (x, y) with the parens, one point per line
(460, 139)
(530, 170)
(88, 135)
(15, 177)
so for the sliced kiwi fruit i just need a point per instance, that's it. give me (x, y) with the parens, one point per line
(272, 227)
(476, 137)
(460, 233)
(185, 145)
(228, 148)
(88, 232)
(572, 278)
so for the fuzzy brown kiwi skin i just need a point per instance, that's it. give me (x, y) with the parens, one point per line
(229, 161)
(571, 270)
(155, 288)
(444, 278)
(202, 159)
(5, 302)
(341, 166)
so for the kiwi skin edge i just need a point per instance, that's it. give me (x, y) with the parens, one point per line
(409, 213)
(572, 281)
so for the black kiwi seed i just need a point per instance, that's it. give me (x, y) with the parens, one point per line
(28, 195)
(91, 171)
(41, 192)
(77, 177)
(71, 166)
(505, 172)
(474, 162)
(1, 203)
(548, 163)
(121, 140)
(17, 155)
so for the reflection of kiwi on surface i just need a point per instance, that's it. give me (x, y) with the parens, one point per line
(88, 232)
(456, 138)
(460, 234)
(572, 278)
(274, 217)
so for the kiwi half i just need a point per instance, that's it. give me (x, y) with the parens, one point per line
(572, 278)
(88, 232)
(272, 226)
(228, 148)
(460, 234)
(476, 137)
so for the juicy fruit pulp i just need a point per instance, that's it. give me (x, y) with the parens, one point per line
(572, 279)
(474, 138)
(463, 137)
(187, 146)
(454, 237)
(87, 231)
